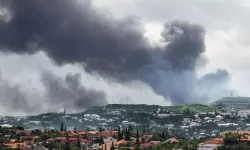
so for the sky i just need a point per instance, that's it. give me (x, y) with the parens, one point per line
(227, 42)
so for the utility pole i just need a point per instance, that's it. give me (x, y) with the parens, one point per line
(232, 94)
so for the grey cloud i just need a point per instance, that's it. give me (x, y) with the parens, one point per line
(68, 92)
(213, 85)
(13, 98)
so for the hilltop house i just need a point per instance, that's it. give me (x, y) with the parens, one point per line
(213, 144)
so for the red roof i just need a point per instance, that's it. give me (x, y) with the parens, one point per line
(107, 133)
(213, 141)
(51, 139)
(13, 140)
(145, 145)
(155, 142)
(61, 138)
(27, 132)
(84, 140)
(26, 137)
(35, 137)
(72, 139)
(29, 142)
(172, 140)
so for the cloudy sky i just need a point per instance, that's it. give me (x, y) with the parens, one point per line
(227, 41)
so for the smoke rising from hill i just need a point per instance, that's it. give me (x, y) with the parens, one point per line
(75, 32)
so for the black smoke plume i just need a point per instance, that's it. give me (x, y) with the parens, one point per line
(70, 32)
(75, 32)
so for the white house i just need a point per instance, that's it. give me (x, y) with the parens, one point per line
(219, 118)
(6, 125)
(187, 120)
(243, 113)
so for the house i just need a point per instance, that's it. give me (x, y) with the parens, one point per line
(162, 115)
(227, 124)
(28, 137)
(115, 112)
(213, 144)
(186, 120)
(6, 125)
(61, 139)
(107, 146)
(16, 145)
(73, 140)
(109, 139)
(125, 124)
(145, 145)
(107, 133)
(91, 116)
(243, 113)
(147, 137)
(172, 140)
(154, 142)
(219, 118)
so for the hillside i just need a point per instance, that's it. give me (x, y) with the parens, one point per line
(197, 108)
(237, 102)
(192, 107)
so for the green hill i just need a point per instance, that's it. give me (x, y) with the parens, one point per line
(192, 107)
(197, 108)
(237, 102)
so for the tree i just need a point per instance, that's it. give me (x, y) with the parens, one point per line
(215, 112)
(19, 128)
(78, 142)
(105, 147)
(101, 142)
(137, 138)
(130, 127)
(112, 147)
(61, 127)
(127, 134)
(120, 136)
(74, 129)
(67, 145)
(100, 129)
(137, 143)
(230, 139)
(163, 135)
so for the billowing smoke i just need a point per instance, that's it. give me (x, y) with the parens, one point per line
(173, 72)
(69, 93)
(70, 32)
(213, 85)
(185, 44)
(14, 97)
(75, 32)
